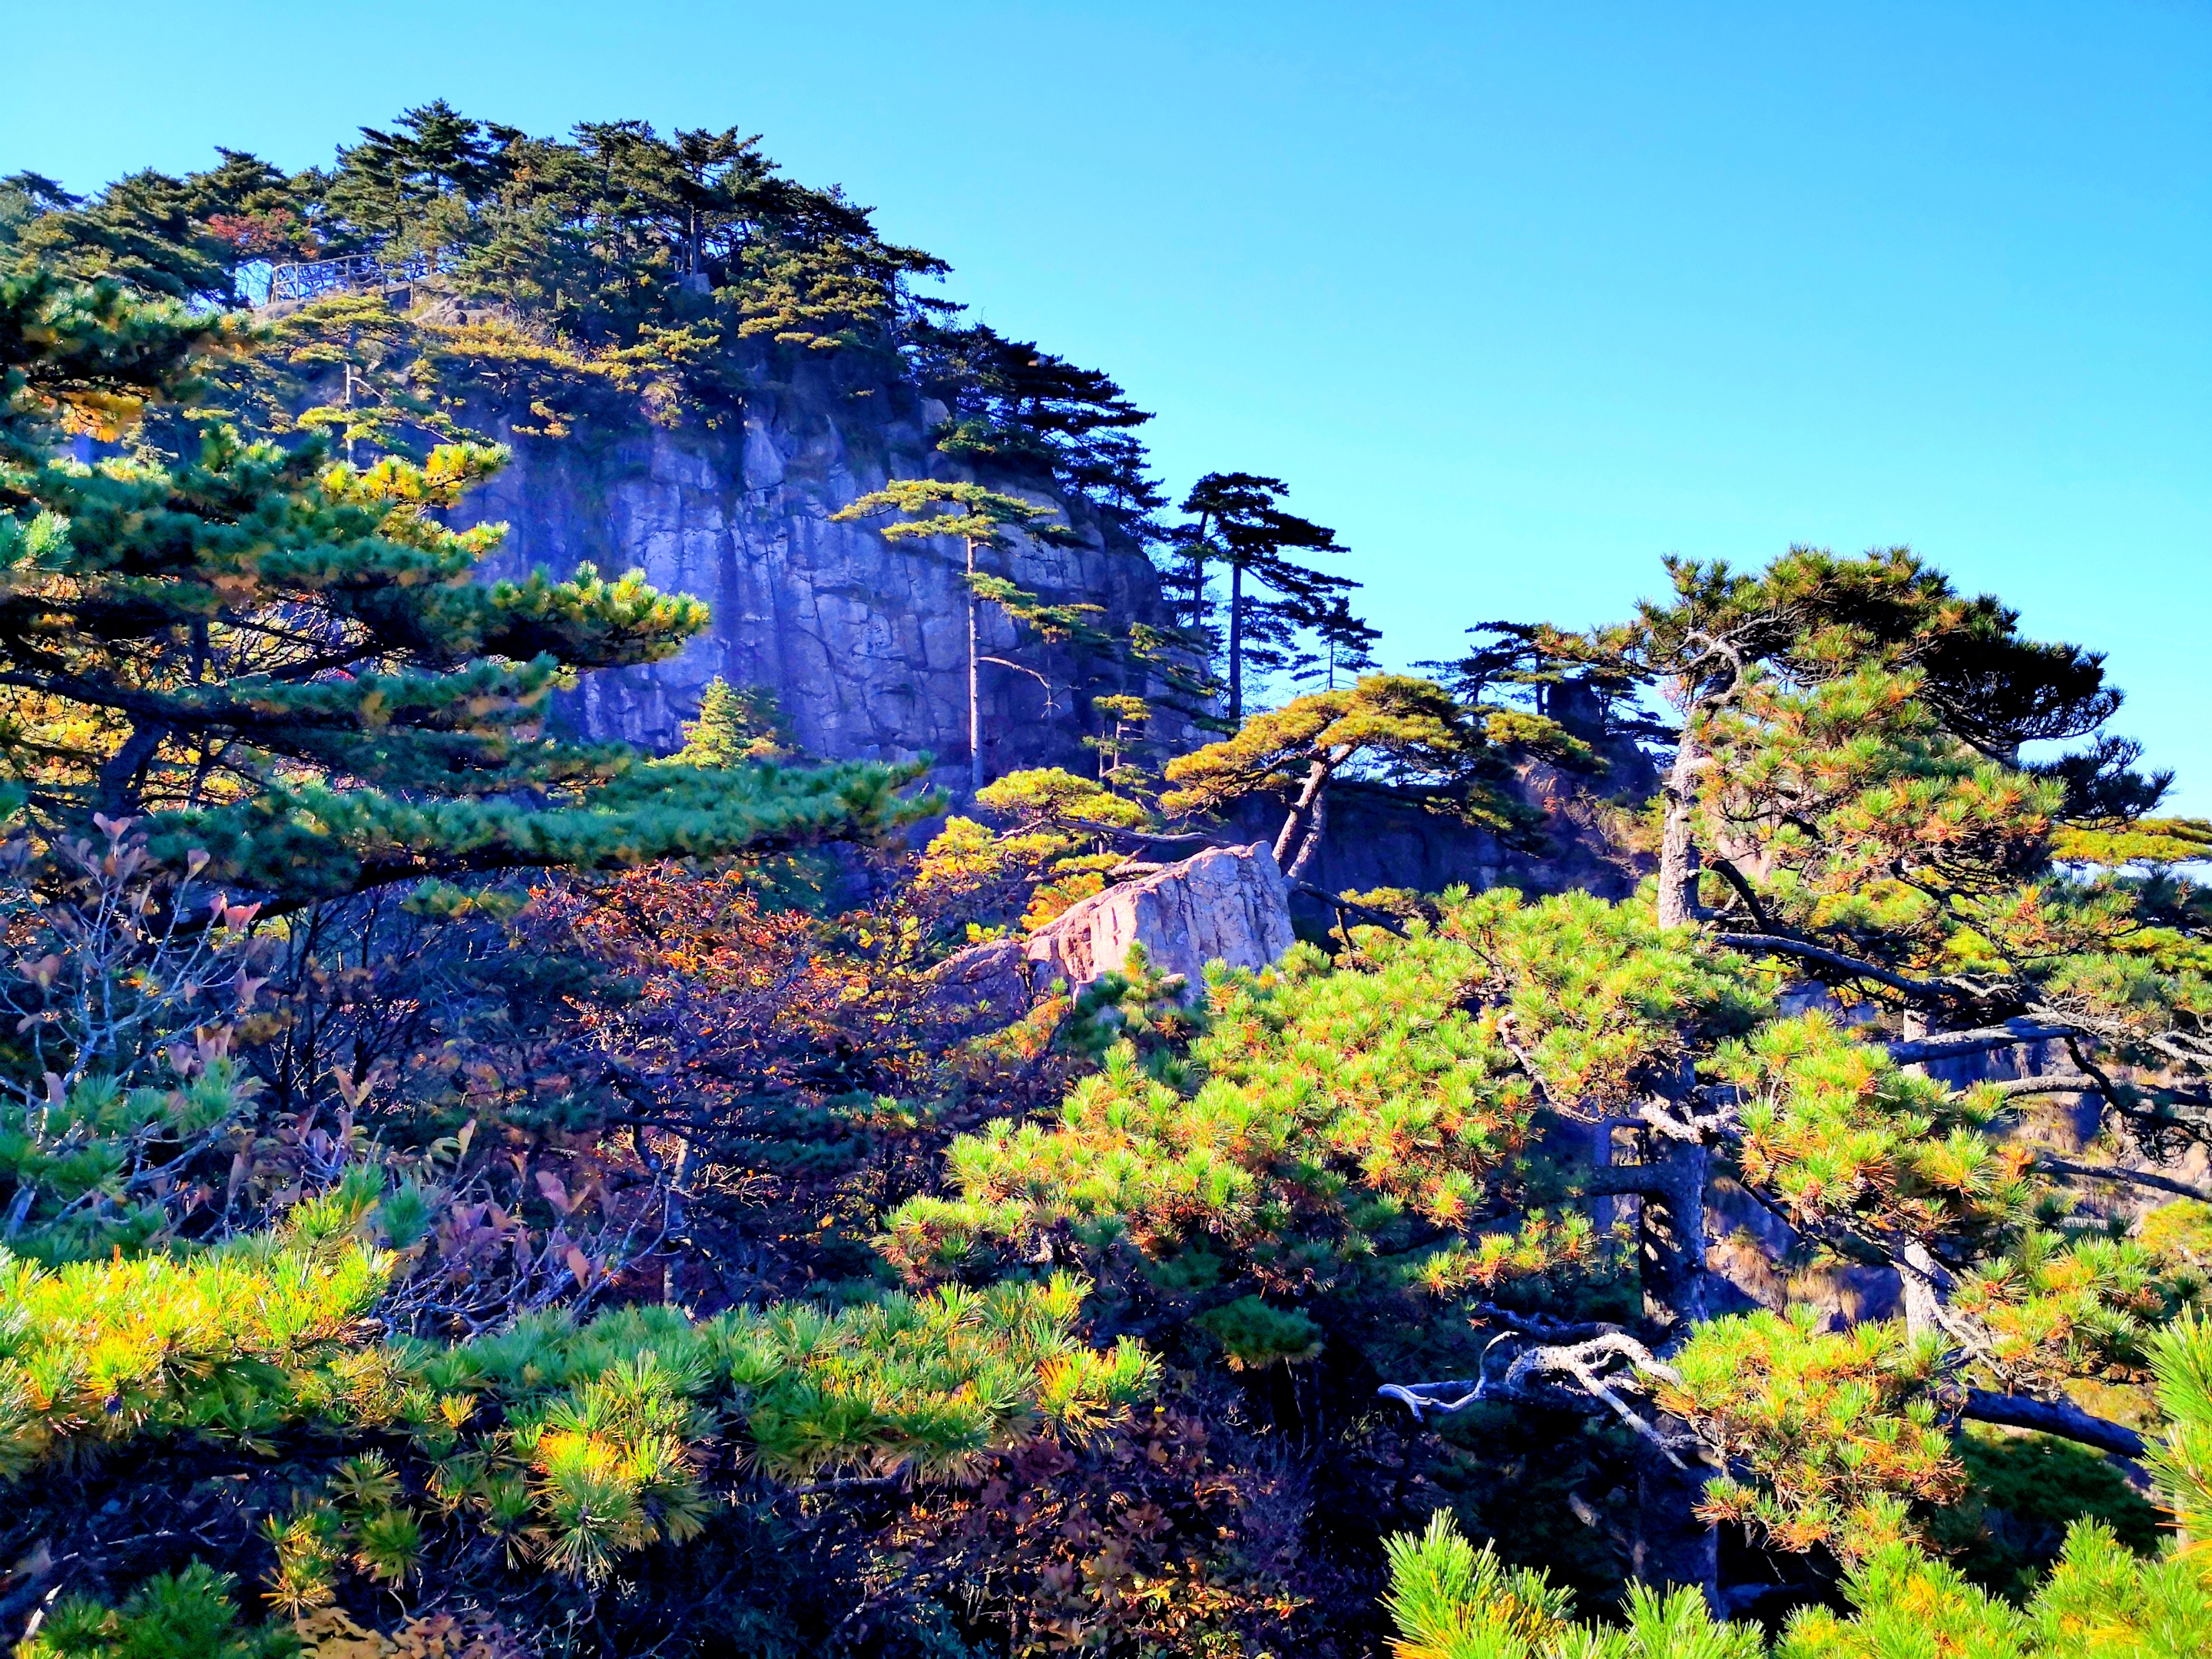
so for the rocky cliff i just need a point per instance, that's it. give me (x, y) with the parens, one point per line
(862, 641)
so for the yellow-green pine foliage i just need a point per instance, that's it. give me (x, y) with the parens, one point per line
(733, 727)
(600, 1429)
(291, 662)
(1395, 720)
(1322, 1106)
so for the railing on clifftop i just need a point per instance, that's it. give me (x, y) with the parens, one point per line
(353, 272)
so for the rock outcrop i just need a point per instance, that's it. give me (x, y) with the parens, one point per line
(1227, 904)
(863, 642)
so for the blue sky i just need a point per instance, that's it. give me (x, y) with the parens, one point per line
(1518, 298)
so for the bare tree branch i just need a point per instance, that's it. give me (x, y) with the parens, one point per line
(1950, 1045)
(1782, 944)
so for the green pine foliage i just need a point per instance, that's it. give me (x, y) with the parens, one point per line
(290, 664)
(1838, 1131)
(186, 1615)
(233, 1342)
(1829, 1429)
(1255, 1336)
(733, 727)
(578, 1443)
(1392, 727)
(1451, 1601)
(1235, 520)
(1846, 775)
(1053, 844)
(2181, 1358)
(1324, 1113)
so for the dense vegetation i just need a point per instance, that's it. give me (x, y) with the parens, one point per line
(471, 1191)
(583, 280)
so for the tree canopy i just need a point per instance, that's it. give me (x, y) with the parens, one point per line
(290, 664)
(1236, 521)
(465, 1190)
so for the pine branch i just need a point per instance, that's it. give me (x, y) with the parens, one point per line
(1782, 945)
(1950, 1045)
(2068, 1422)
(2133, 1178)
(1365, 912)
(2048, 1083)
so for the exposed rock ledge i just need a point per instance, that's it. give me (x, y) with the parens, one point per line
(1227, 904)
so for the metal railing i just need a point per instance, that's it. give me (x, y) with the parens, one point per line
(353, 272)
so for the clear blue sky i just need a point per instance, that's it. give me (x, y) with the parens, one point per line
(1517, 297)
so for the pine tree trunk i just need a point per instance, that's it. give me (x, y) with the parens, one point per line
(124, 771)
(1311, 843)
(1670, 1544)
(1309, 795)
(1670, 1181)
(1237, 644)
(975, 683)
(1926, 1284)
(1678, 868)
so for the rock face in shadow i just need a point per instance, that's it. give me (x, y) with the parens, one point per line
(1227, 904)
(864, 642)
(1379, 837)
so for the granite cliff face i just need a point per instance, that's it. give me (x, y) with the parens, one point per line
(863, 642)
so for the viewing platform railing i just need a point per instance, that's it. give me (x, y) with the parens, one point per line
(353, 272)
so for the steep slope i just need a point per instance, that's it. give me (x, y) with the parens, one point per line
(862, 641)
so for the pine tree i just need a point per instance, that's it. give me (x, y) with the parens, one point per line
(1236, 522)
(1013, 402)
(982, 519)
(1768, 669)
(1119, 746)
(733, 727)
(1410, 728)
(1343, 648)
(291, 666)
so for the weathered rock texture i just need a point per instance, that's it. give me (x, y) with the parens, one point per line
(1227, 904)
(863, 642)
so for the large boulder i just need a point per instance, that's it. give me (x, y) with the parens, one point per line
(1227, 904)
